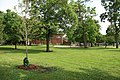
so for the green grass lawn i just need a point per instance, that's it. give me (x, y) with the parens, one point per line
(66, 63)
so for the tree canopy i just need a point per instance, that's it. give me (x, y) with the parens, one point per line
(112, 14)
(12, 27)
(53, 15)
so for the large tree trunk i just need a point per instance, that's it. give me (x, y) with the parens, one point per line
(15, 45)
(116, 36)
(85, 40)
(70, 43)
(91, 44)
(47, 40)
(105, 45)
(116, 40)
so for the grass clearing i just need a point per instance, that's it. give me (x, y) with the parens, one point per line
(68, 63)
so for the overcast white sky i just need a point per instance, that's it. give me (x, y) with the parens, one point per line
(9, 4)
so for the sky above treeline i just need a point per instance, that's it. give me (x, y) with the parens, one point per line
(9, 4)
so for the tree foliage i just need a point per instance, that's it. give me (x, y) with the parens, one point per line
(88, 27)
(53, 15)
(12, 29)
(112, 14)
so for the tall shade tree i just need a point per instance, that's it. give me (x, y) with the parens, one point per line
(110, 34)
(53, 14)
(79, 9)
(12, 26)
(87, 27)
(92, 31)
(112, 14)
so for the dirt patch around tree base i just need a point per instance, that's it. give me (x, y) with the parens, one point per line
(33, 67)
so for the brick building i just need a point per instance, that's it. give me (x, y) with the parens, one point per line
(55, 40)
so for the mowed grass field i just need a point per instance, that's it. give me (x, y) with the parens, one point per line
(65, 63)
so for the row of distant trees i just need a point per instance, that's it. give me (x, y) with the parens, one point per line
(47, 17)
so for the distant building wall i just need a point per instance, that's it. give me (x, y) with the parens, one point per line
(55, 39)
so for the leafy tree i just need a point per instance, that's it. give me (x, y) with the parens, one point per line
(93, 31)
(53, 14)
(112, 14)
(12, 27)
(110, 30)
(79, 9)
(99, 39)
(110, 34)
(87, 28)
(110, 40)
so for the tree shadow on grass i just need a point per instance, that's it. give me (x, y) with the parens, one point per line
(12, 50)
(96, 74)
(12, 73)
(115, 50)
(81, 48)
